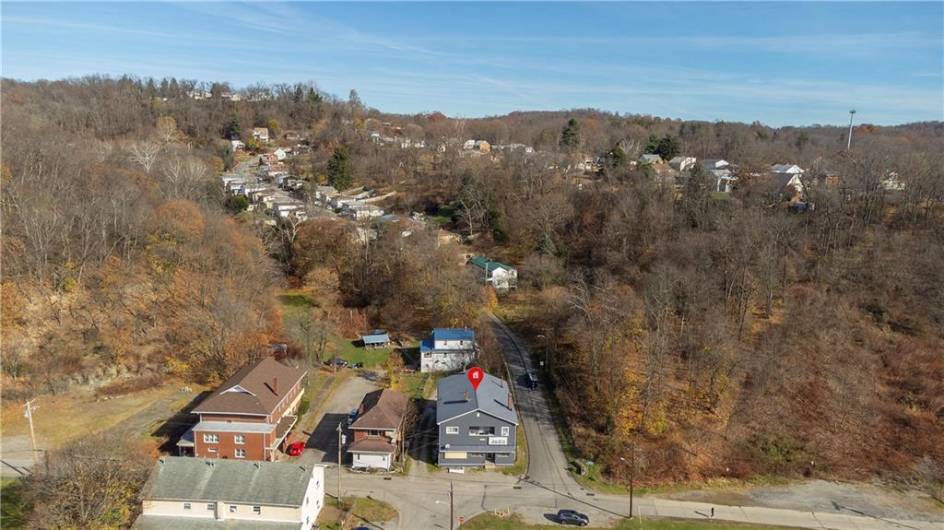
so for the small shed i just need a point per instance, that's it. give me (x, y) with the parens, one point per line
(375, 338)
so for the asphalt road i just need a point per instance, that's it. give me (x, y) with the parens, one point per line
(547, 465)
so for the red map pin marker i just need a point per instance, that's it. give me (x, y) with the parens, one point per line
(475, 375)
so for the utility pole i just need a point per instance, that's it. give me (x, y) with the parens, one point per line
(849, 141)
(452, 514)
(29, 416)
(340, 465)
(632, 477)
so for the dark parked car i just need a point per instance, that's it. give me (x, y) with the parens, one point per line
(531, 380)
(337, 361)
(357, 365)
(572, 517)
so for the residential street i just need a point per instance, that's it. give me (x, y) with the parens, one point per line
(547, 465)
(423, 503)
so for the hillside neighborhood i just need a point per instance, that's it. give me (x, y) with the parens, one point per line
(464, 266)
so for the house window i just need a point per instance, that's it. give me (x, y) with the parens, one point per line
(233, 508)
(211, 439)
(257, 510)
(481, 431)
(240, 453)
(211, 506)
(506, 431)
(186, 506)
(374, 433)
(239, 439)
(452, 430)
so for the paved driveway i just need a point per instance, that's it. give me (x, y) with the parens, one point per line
(322, 444)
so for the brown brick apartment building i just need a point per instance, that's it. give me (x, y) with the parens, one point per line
(249, 416)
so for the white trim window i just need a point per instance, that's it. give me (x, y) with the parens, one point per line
(240, 453)
(506, 431)
(452, 429)
(211, 438)
(257, 510)
(233, 508)
(239, 439)
(187, 506)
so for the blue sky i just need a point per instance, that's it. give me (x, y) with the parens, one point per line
(780, 63)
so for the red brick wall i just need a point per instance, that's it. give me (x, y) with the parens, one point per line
(226, 447)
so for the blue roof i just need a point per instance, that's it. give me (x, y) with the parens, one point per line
(426, 345)
(376, 336)
(453, 334)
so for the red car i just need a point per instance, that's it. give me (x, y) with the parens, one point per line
(295, 448)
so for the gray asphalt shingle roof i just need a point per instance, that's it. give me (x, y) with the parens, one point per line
(237, 481)
(457, 397)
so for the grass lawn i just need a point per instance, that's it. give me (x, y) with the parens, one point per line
(487, 521)
(321, 385)
(12, 508)
(412, 385)
(444, 216)
(347, 350)
(65, 417)
(520, 466)
(363, 512)
(298, 306)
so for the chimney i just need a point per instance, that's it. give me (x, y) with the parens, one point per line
(275, 385)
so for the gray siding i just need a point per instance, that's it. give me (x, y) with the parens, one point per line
(476, 447)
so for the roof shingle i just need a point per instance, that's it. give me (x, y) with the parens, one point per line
(219, 480)
(381, 410)
(254, 389)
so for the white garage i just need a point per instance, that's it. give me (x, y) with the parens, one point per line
(366, 460)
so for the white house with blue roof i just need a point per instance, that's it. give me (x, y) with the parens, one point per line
(447, 349)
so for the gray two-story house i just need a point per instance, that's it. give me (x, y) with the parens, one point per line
(476, 427)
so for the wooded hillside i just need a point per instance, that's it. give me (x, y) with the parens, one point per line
(719, 334)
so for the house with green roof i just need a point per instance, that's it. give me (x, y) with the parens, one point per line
(500, 275)
(194, 493)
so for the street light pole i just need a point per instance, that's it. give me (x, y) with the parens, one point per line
(849, 141)
(632, 477)
(29, 416)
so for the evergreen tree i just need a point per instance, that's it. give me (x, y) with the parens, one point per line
(667, 147)
(570, 135)
(231, 128)
(340, 170)
(616, 158)
(697, 196)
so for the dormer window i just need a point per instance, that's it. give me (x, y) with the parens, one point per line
(237, 388)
